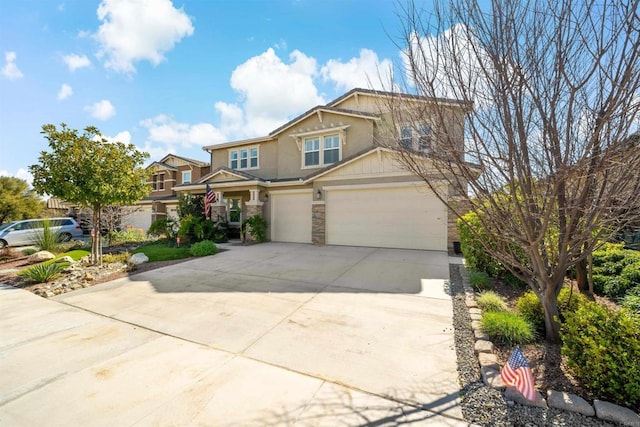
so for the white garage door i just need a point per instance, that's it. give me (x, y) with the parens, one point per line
(390, 217)
(291, 216)
(140, 218)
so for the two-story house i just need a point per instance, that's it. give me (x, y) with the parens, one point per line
(326, 177)
(170, 172)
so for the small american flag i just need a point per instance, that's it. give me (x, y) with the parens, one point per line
(209, 199)
(518, 374)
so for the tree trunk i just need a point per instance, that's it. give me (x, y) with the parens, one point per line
(551, 315)
(581, 276)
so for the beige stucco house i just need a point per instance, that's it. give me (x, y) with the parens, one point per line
(165, 175)
(329, 177)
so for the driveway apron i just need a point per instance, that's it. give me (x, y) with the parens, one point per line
(270, 334)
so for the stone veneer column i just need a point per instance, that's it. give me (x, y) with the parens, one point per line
(318, 230)
(218, 211)
(253, 207)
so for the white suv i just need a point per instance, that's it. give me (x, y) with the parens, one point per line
(26, 232)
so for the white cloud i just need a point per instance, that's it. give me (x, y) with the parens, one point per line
(273, 90)
(139, 30)
(365, 71)
(10, 69)
(75, 62)
(65, 91)
(166, 130)
(124, 137)
(102, 110)
(22, 173)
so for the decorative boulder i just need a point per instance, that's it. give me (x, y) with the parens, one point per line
(65, 259)
(137, 259)
(41, 256)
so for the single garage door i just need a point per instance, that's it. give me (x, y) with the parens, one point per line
(390, 217)
(291, 216)
(140, 218)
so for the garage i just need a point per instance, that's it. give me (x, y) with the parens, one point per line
(388, 216)
(141, 218)
(291, 216)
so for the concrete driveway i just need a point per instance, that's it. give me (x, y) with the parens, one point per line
(271, 334)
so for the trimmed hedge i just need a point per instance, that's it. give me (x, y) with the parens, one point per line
(529, 306)
(602, 347)
(615, 270)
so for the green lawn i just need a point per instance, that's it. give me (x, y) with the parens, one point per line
(162, 252)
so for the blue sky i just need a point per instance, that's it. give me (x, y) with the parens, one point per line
(174, 76)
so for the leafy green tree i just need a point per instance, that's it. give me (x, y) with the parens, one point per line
(87, 170)
(17, 200)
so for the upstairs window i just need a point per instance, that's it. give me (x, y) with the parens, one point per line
(186, 177)
(244, 158)
(154, 182)
(161, 182)
(419, 138)
(321, 154)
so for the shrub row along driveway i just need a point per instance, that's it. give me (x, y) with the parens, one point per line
(270, 334)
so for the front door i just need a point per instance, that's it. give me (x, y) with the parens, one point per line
(234, 212)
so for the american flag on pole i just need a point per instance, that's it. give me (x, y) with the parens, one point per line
(518, 374)
(209, 199)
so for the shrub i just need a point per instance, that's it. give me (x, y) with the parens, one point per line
(46, 239)
(490, 301)
(163, 228)
(631, 301)
(603, 349)
(507, 328)
(127, 235)
(530, 307)
(256, 226)
(42, 272)
(203, 248)
(194, 229)
(474, 253)
(110, 258)
(28, 251)
(615, 270)
(480, 281)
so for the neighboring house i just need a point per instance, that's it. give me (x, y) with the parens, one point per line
(165, 175)
(325, 177)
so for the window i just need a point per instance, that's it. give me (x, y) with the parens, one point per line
(154, 182)
(186, 177)
(311, 151)
(419, 138)
(321, 155)
(245, 158)
(161, 182)
(331, 149)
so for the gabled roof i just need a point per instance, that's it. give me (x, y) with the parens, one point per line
(186, 159)
(225, 170)
(383, 94)
(161, 165)
(320, 109)
(344, 162)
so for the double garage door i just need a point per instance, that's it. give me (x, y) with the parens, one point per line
(408, 217)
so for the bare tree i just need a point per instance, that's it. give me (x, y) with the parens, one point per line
(549, 161)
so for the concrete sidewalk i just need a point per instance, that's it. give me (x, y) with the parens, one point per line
(273, 334)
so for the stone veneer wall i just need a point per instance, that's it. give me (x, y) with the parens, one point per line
(318, 223)
(251, 210)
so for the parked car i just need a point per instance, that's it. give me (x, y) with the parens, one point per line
(26, 232)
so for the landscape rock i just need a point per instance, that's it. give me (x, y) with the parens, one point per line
(471, 302)
(482, 346)
(40, 256)
(491, 378)
(65, 259)
(488, 360)
(475, 316)
(480, 335)
(611, 412)
(475, 310)
(569, 402)
(137, 259)
(476, 325)
(513, 394)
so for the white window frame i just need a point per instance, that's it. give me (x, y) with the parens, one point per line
(244, 154)
(190, 176)
(321, 150)
(415, 141)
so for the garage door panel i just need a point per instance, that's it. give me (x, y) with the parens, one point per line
(291, 217)
(397, 217)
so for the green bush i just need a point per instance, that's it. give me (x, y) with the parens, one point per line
(203, 248)
(602, 347)
(631, 300)
(615, 270)
(42, 272)
(111, 258)
(195, 229)
(490, 301)
(506, 327)
(480, 281)
(530, 307)
(127, 235)
(29, 251)
(474, 253)
(256, 226)
(164, 227)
